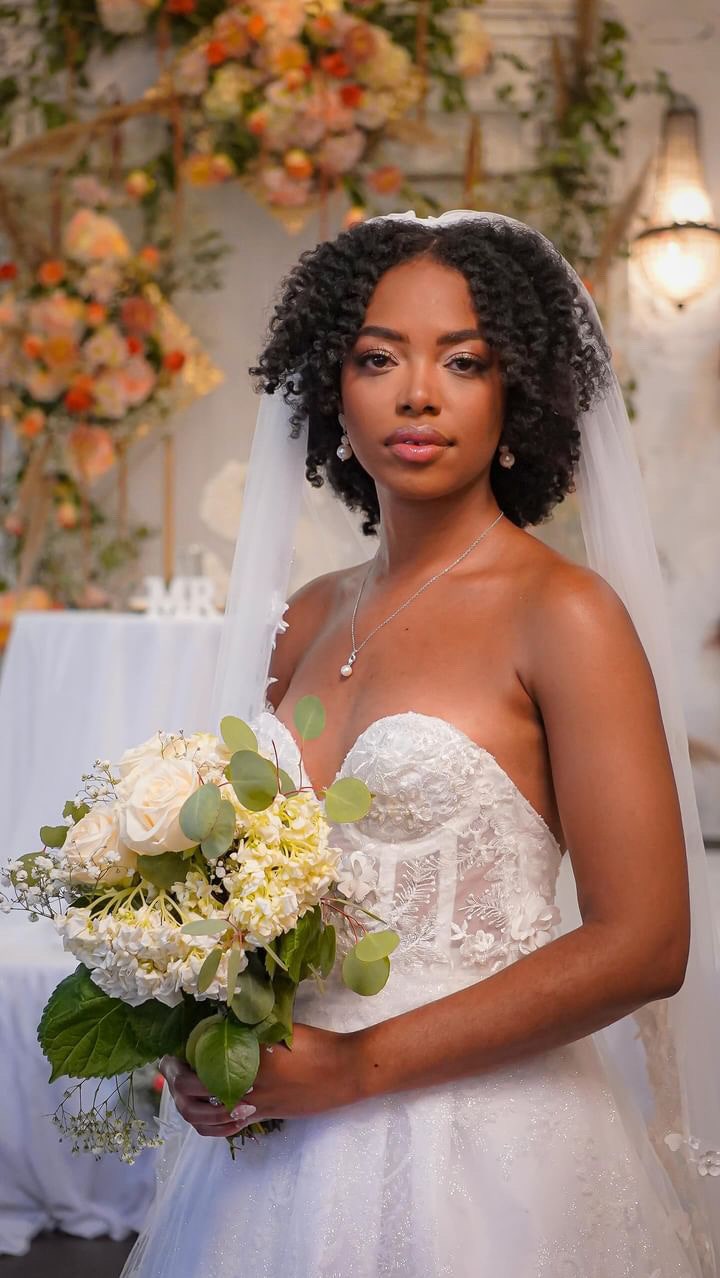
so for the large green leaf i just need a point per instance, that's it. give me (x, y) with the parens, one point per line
(164, 869)
(254, 998)
(222, 833)
(327, 944)
(86, 1034)
(195, 1033)
(309, 717)
(254, 779)
(227, 1059)
(296, 943)
(347, 800)
(365, 978)
(237, 734)
(198, 813)
(376, 945)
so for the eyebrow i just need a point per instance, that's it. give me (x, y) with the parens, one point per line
(446, 339)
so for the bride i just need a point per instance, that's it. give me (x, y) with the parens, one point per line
(500, 705)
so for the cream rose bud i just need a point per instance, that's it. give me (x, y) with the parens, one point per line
(152, 796)
(153, 748)
(94, 849)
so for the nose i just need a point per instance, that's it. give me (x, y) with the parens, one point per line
(418, 397)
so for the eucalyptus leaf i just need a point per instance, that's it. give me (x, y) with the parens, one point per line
(309, 717)
(254, 779)
(376, 945)
(227, 1059)
(287, 785)
(235, 958)
(347, 800)
(237, 734)
(205, 927)
(75, 810)
(208, 971)
(164, 869)
(54, 836)
(270, 1030)
(199, 812)
(223, 832)
(365, 978)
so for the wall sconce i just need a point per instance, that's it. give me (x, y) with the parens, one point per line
(679, 251)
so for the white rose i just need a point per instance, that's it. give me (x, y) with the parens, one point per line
(204, 748)
(94, 849)
(153, 795)
(156, 747)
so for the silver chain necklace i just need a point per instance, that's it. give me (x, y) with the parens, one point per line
(347, 669)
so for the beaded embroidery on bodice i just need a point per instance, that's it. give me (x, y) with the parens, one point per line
(451, 854)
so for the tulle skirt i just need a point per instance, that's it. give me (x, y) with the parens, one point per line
(524, 1172)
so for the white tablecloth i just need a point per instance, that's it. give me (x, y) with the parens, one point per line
(74, 687)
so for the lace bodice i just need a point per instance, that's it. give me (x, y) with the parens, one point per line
(451, 854)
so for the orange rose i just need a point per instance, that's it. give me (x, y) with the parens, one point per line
(8, 271)
(351, 95)
(91, 451)
(180, 6)
(386, 180)
(215, 53)
(294, 79)
(30, 426)
(289, 56)
(222, 167)
(150, 257)
(59, 351)
(174, 361)
(134, 345)
(298, 164)
(335, 64)
(51, 272)
(256, 26)
(32, 346)
(95, 314)
(258, 120)
(79, 396)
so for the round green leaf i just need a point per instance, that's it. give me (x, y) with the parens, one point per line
(287, 785)
(254, 779)
(237, 734)
(222, 833)
(227, 1059)
(208, 971)
(53, 836)
(347, 800)
(164, 869)
(309, 717)
(254, 997)
(199, 813)
(196, 1032)
(376, 945)
(365, 978)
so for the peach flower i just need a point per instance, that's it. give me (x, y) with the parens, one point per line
(101, 282)
(110, 398)
(43, 385)
(57, 316)
(137, 379)
(31, 425)
(341, 153)
(281, 189)
(95, 237)
(138, 315)
(191, 75)
(91, 451)
(106, 347)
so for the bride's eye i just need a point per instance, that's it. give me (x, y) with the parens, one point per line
(466, 362)
(373, 359)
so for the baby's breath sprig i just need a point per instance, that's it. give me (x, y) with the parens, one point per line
(110, 1125)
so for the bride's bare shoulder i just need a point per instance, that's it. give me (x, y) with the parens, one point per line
(308, 609)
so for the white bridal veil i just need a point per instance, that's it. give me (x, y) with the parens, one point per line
(664, 1059)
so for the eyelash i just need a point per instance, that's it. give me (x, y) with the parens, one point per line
(478, 363)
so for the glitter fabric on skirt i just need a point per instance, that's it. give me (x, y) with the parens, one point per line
(529, 1171)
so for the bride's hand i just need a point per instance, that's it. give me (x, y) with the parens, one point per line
(322, 1071)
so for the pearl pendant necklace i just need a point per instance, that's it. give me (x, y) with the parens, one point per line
(347, 668)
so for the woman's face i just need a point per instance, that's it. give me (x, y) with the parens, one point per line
(419, 365)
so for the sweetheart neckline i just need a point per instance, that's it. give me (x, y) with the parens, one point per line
(433, 718)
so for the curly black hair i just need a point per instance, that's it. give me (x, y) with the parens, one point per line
(553, 359)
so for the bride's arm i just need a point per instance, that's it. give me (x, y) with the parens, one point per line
(618, 805)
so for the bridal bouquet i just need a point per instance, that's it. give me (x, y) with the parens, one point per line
(196, 885)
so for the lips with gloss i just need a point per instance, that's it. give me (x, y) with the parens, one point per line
(416, 445)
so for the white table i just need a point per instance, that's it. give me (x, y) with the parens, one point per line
(74, 687)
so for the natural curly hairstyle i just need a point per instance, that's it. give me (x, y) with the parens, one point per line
(553, 360)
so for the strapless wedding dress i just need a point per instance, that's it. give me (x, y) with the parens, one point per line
(527, 1171)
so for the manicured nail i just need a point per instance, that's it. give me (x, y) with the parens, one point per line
(241, 1112)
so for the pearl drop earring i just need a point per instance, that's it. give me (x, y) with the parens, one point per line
(507, 459)
(344, 448)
